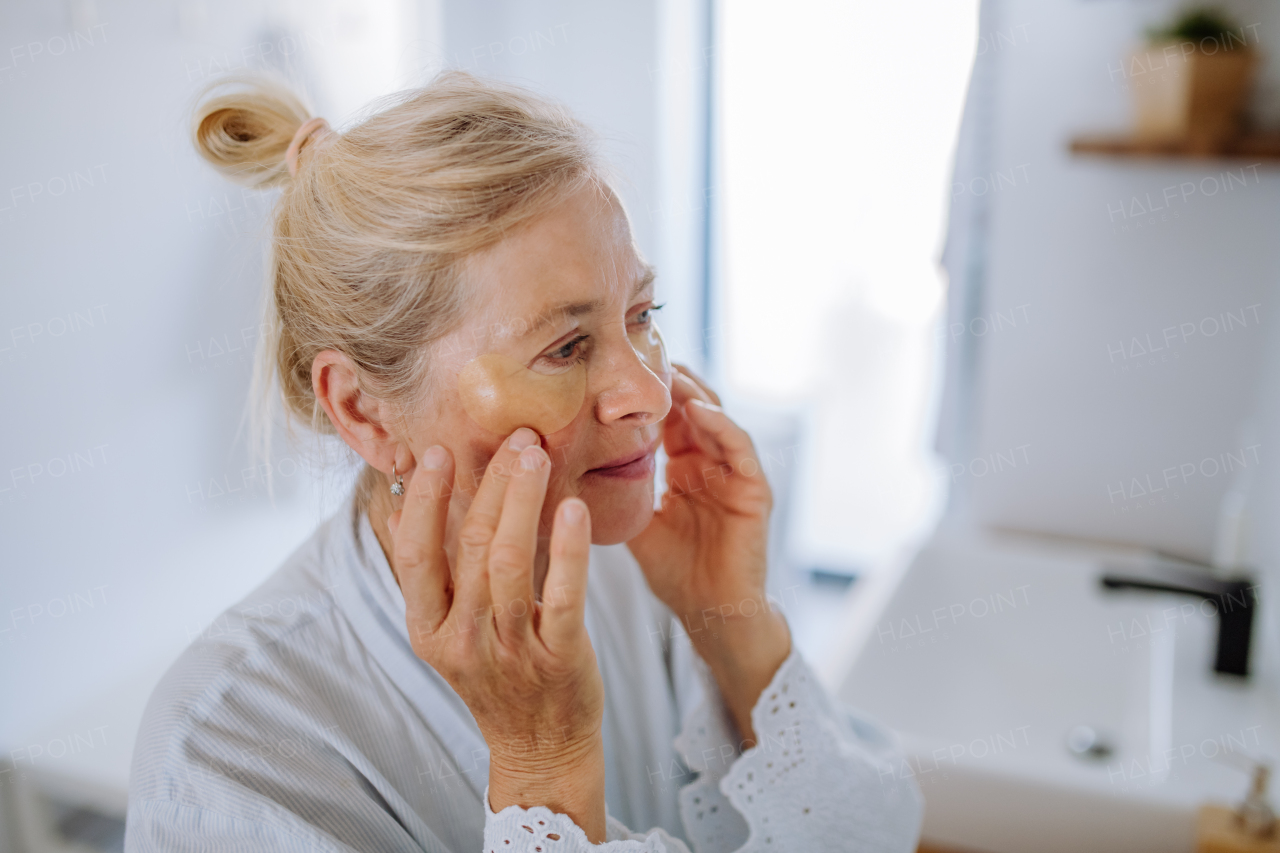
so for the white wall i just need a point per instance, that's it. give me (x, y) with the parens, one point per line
(113, 560)
(129, 312)
(614, 64)
(1078, 431)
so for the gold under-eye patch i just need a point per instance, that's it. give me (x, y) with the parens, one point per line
(502, 395)
(652, 350)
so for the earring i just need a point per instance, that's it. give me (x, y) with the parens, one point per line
(397, 488)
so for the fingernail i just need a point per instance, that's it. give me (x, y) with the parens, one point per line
(573, 511)
(531, 458)
(433, 459)
(522, 438)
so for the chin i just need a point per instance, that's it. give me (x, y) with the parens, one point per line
(619, 511)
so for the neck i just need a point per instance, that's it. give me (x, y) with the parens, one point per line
(379, 510)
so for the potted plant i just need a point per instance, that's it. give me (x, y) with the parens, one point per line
(1198, 72)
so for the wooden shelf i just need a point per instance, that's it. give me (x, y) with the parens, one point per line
(1258, 145)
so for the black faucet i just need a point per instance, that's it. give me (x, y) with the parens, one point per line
(1235, 599)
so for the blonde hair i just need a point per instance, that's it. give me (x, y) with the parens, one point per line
(370, 235)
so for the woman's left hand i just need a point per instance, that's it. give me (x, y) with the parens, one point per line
(704, 553)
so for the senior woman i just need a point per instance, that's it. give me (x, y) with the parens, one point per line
(496, 643)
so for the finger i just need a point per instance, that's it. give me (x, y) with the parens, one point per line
(683, 388)
(686, 434)
(417, 536)
(515, 543)
(481, 522)
(677, 437)
(702, 439)
(698, 381)
(725, 441)
(564, 592)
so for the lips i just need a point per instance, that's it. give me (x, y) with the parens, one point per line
(635, 466)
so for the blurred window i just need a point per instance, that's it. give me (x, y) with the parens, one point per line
(836, 126)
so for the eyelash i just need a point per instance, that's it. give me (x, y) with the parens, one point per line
(569, 357)
(571, 346)
(649, 311)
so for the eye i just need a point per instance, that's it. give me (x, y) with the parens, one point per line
(643, 318)
(568, 351)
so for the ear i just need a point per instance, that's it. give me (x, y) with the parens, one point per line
(364, 422)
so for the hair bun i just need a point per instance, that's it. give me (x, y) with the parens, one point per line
(243, 125)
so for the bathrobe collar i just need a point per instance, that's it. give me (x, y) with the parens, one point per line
(377, 613)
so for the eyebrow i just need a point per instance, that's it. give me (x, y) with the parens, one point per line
(577, 309)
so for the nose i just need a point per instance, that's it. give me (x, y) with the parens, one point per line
(626, 390)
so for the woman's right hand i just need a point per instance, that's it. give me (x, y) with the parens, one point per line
(523, 664)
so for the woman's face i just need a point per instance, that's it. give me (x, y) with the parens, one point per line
(565, 292)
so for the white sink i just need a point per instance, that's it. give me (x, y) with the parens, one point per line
(985, 655)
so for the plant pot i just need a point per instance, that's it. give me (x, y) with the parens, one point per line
(1191, 97)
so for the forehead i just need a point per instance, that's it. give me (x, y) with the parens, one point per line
(578, 254)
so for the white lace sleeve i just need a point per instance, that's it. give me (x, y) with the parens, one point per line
(816, 780)
(813, 782)
(540, 830)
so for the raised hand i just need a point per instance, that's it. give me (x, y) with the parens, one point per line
(522, 661)
(704, 553)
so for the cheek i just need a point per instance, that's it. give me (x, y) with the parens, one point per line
(502, 395)
(559, 487)
(562, 447)
(652, 349)
(470, 461)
